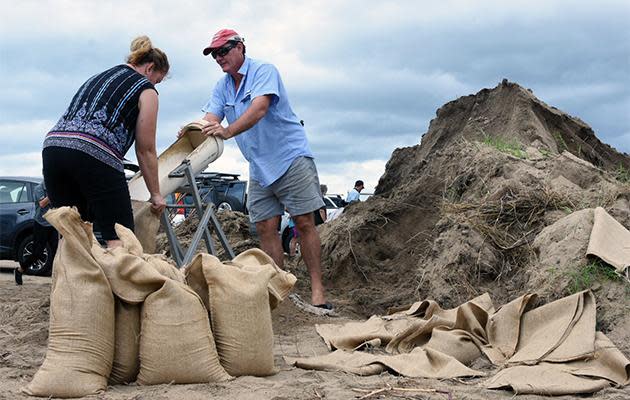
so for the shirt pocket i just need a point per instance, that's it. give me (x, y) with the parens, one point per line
(230, 113)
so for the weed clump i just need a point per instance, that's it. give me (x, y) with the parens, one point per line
(508, 147)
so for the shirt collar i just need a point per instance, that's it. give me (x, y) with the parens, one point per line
(245, 67)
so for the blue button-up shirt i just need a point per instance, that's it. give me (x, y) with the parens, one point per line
(278, 138)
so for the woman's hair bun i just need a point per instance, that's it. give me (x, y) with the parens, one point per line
(141, 44)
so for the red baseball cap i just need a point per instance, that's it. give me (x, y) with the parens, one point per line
(222, 37)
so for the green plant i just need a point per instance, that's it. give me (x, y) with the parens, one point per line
(513, 148)
(622, 174)
(585, 276)
(562, 145)
(545, 152)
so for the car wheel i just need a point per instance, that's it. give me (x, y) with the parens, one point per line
(224, 206)
(40, 267)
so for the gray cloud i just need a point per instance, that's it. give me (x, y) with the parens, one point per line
(365, 78)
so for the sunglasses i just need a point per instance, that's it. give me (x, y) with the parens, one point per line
(222, 51)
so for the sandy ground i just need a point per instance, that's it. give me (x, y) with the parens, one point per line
(23, 336)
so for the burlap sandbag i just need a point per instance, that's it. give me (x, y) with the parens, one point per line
(127, 338)
(281, 283)
(146, 224)
(81, 339)
(240, 315)
(609, 241)
(419, 363)
(176, 343)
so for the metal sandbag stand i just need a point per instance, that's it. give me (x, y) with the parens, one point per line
(207, 216)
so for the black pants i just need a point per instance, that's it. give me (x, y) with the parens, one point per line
(100, 192)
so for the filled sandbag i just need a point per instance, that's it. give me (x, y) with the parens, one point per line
(176, 343)
(127, 340)
(238, 301)
(165, 267)
(280, 284)
(81, 333)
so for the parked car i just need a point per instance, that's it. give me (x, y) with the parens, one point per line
(17, 212)
(334, 206)
(225, 191)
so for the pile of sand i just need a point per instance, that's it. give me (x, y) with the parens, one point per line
(235, 226)
(490, 200)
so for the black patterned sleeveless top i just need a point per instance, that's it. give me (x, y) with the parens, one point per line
(101, 119)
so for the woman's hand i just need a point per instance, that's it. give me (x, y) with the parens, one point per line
(158, 204)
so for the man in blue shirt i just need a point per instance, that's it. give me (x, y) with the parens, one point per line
(252, 97)
(355, 193)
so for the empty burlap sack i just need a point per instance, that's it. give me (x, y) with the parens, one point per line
(176, 343)
(238, 300)
(280, 284)
(81, 339)
(419, 363)
(610, 241)
(606, 367)
(127, 338)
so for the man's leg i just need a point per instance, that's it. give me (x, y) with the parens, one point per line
(270, 239)
(311, 254)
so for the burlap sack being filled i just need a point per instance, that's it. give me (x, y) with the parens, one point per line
(146, 225)
(176, 344)
(81, 340)
(238, 301)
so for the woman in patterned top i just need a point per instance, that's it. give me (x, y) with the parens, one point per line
(83, 152)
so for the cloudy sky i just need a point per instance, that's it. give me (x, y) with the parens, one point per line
(365, 76)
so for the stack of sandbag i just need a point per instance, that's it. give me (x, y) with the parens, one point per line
(176, 344)
(122, 315)
(81, 332)
(125, 316)
(239, 296)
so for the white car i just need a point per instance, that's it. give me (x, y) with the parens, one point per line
(334, 207)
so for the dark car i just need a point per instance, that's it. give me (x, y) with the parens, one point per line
(225, 191)
(17, 212)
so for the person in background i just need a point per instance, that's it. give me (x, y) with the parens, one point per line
(355, 192)
(40, 231)
(252, 97)
(83, 152)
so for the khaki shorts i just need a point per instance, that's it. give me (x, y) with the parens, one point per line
(298, 190)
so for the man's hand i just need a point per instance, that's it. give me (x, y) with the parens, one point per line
(216, 129)
(157, 204)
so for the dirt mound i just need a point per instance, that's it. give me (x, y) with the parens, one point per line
(235, 226)
(487, 202)
(508, 113)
